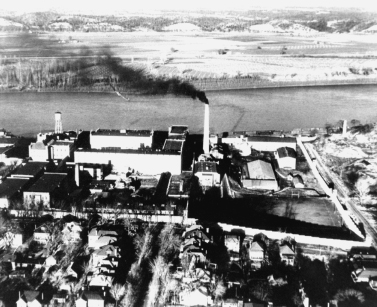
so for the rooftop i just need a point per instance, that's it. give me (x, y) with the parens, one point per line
(174, 145)
(259, 169)
(8, 141)
(11, 186)
(205, 167)
(130, 151)
(271, 139)
(178, 129)
(284, 152)
(30, 168)
(123, 132)
(48, 182)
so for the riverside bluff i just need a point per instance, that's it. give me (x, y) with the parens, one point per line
(204, 84)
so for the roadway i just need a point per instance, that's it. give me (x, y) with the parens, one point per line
(370, 231)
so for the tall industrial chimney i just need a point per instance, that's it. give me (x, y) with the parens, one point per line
(58, 123)
(344, 127)
(206, 129)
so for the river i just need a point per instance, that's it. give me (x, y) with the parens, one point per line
(238, 110)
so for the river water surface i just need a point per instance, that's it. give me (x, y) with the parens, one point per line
(238, 110)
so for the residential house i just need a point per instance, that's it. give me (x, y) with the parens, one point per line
(198, 297)
(195, 231)
(208, 173)
(100, 237)
(104, 252)
(364, 274)
(90, 299)
(287, 255)
(101, 280)
(32, 299)
(232, 243)
(230, 302)
(256, 254)
(47, 190)
(60, 299)
(259, 175)
(286, 157)
(41, 234)
(11, 190)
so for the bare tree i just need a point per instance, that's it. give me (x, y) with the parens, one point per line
(117, 291)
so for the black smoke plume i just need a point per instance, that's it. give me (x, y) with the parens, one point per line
(140, 80)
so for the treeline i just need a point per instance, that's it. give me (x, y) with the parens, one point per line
(208, 21)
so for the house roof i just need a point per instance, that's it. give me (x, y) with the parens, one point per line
(30, 168)
(259, 169)
(105, 240)
(205, 167)
(102, 232)
(286, 250)
(256, 247)
(284, 152)
(3, 150)
(368, 272)
(102, 251)
(175, 145)
(271, 139)
(260, 184)
(178, 129)
(123, 132)
(11, 186)
(8, 141)
(47, 183)
(90, 295)
(30, 295)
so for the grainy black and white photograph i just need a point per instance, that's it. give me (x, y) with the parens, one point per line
(200, 153)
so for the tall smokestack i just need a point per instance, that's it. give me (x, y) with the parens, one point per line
(206, 129)
(344, 127)
(58, 123)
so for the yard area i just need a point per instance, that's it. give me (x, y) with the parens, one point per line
(318, 210)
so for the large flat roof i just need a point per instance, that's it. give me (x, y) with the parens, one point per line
(47, 183)
(271, 139)
(123, 132)
(129, 151)
(11, 186)
(30, 168)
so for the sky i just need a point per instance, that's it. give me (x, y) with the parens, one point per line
(128, 5)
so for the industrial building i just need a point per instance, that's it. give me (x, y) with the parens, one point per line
(47, 189)
(286, 157)
(208, 173)
(124, 160)
(11, 190)
(121, 139)
(259, 174)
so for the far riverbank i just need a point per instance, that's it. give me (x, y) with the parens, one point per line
(221, 84)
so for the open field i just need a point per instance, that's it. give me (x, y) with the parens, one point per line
(311, 210)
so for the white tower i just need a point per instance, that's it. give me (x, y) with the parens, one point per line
(206, 129)
(58, 123)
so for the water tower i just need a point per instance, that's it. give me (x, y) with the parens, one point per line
(58, 123)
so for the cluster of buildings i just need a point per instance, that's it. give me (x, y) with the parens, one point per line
(364, 265)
